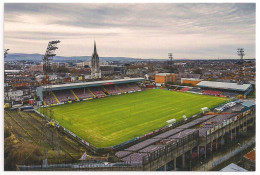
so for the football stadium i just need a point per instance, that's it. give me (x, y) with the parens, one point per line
(137, 128)
(110, 121)
(126, 114)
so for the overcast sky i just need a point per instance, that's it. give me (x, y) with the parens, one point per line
(132, 30)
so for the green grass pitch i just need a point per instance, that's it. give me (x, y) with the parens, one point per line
(113, 120)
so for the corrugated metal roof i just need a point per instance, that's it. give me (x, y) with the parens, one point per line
(224, 85)
(248, 104)
(233, 168)
(93, 83)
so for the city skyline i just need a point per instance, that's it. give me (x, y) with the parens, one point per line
(189, 31)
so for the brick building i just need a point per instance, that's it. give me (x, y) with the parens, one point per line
(163, 78)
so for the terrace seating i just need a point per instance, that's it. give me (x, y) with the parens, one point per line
(185, 89)
(230, 94)
(125, 88)
(50, 100)
(64, 95)
(135, 87)
(81, 94)
(112, 89)
(98, 92)
(196, 90)
(212, 92)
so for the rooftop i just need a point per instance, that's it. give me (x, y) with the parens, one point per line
(250, 155)
(168, 133)
(142, 144)
(122, 154)
(233, 168)
(224, 85)
(151, 148)
(195, 122)
(135, 158)
(94, 83)
(248, 103)
(183, 133)
(164, 74)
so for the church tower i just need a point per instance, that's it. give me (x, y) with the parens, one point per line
(95, 69)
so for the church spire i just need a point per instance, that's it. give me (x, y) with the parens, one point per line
(95, 69)
(95, 49)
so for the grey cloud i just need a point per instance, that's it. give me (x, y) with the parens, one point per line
(232, 20)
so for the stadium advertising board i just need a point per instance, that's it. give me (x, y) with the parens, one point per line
(110, 83)
(150, 133)
(83, 141)
(71, 133)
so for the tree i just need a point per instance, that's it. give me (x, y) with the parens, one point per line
(17, 153)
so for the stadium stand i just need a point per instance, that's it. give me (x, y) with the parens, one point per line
(165, 142)
(168, 133)
(64, 96)
(242, 89)
(125, 88)
(142, 144)
(81, 94)
(230, 94)
(196, 91)
(213, 122)
(134, 158)
(195, 122)
(176, 136)
(185, 89)
(122, 154)
(50, 100)
(151, 148)
(112, 89)
(135, 87)
(77, 89)
(212, 92)
(178, 88)
(183, 133)
(98, 92)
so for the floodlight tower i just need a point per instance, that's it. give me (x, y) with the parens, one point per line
(6, 52)
(170, 57)
(241, 54)
(48, 57)
(49, 54)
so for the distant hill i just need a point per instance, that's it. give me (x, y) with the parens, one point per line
(39, 57)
